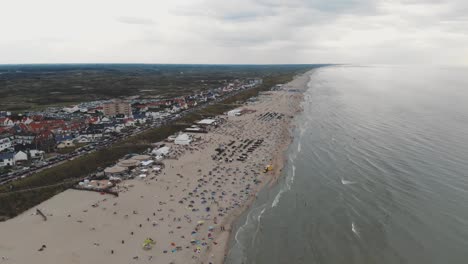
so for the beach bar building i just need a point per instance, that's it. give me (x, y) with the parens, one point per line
(207, 122)
(182, 139)
(141, 157)
(129, 163)
(115, 171)
(235, 112)
(161, 151)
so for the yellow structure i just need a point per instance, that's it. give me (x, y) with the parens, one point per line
(268, 168)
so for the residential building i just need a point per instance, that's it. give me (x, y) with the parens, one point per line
(117, 107)
(20, 156)
(5, 121)
(25, 138)
(66, 144)
(5, 142)
(7, 159)
(36, 154)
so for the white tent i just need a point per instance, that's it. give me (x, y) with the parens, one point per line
(161, 151)
(182, 139)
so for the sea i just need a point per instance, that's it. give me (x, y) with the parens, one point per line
(377, 173)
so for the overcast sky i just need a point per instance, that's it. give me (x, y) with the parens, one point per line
(234, 31)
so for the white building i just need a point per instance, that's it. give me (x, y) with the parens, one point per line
(71, 109)
(182, 139)
(82, 139)
(66, 144)
(235, 112)
(36, 154)
(5, 121)
(5, 143)
(161, 151)
(207, 122)
(157, 115)
(20, 156)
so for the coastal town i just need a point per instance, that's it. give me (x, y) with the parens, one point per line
(32, 141)
(173, 203)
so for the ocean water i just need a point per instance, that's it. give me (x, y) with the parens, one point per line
(377, 173)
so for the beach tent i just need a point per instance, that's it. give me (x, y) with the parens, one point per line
(182, 139)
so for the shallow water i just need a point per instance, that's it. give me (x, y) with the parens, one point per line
(377, 173)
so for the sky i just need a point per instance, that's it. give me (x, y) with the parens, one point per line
(234, 31)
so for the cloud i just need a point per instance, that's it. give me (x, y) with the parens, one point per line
(241, 31)
(135, 20)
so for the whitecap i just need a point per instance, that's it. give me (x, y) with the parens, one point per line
(354, 229)
(260, 215)
(277, 198)
(345, 182)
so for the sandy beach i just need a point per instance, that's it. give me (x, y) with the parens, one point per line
(187, 209)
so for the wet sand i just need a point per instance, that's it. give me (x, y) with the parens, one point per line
(187, 209)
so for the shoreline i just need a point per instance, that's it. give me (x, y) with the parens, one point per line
(188, 209)
(279, 162)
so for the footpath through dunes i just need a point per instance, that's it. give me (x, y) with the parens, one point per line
(187, 210)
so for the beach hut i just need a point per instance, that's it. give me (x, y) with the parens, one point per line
(182, 139)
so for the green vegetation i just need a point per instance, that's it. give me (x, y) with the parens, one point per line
(49, 182)
(35, 87)
(70, 149)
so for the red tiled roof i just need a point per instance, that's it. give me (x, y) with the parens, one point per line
(5, 129)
